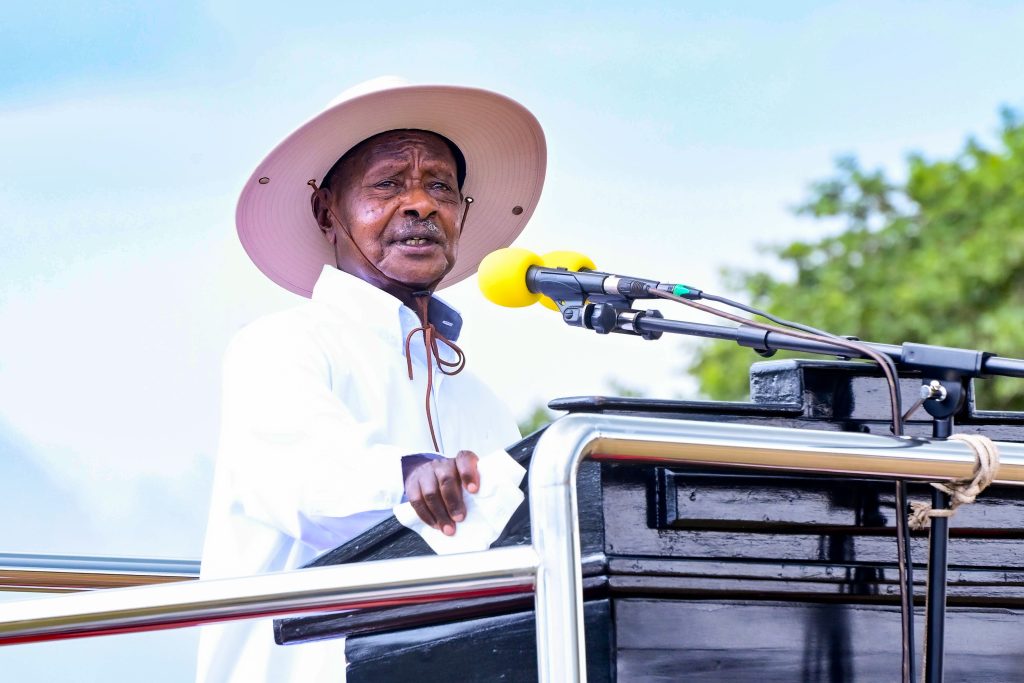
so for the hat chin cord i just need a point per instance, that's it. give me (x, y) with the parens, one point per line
(431, 335)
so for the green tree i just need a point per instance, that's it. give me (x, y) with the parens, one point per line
(937, 259)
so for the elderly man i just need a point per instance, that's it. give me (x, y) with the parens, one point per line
(337, 410)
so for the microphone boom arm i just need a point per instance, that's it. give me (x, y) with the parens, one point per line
(615, 315)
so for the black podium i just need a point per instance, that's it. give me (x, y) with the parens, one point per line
(718, 575)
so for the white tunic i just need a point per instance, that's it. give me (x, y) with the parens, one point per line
(318, 410)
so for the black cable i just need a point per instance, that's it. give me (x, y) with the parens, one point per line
(888, 367)
(905, 568)
(796, 326)
(764, 314)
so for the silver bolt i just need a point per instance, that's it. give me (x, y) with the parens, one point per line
(933, 390)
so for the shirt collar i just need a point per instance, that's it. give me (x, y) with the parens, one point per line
(377, 309)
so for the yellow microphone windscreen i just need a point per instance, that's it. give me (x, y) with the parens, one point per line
(502, 276)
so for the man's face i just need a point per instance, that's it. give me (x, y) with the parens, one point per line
(398, 197)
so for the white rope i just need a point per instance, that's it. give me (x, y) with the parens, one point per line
(961, 491)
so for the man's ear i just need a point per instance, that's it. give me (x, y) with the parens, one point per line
(320, 202)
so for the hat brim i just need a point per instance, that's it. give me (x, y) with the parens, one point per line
(506, 158)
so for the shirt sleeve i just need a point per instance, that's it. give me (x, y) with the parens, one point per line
(297, 457)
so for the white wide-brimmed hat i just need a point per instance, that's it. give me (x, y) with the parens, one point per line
(502, 142)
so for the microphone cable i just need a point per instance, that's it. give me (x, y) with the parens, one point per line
(807, 334)
(888, 367)
(885, 360)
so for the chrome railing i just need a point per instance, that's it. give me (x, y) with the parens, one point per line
(342, 587)
(551, 566)
(37, 572)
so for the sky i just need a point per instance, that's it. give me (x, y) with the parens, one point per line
(680, 135)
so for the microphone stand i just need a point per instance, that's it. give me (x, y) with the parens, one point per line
(949, 362)
(946, 372)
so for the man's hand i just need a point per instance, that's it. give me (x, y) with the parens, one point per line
(434, 489)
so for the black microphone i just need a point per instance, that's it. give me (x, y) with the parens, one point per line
(561, 284)
(517, 277)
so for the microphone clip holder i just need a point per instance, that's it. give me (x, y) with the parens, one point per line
(606, 314)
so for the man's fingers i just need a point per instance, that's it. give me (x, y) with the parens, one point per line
(435, 488)
(451, 489)
(419, 505)
(431, 487)
(467, 461)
